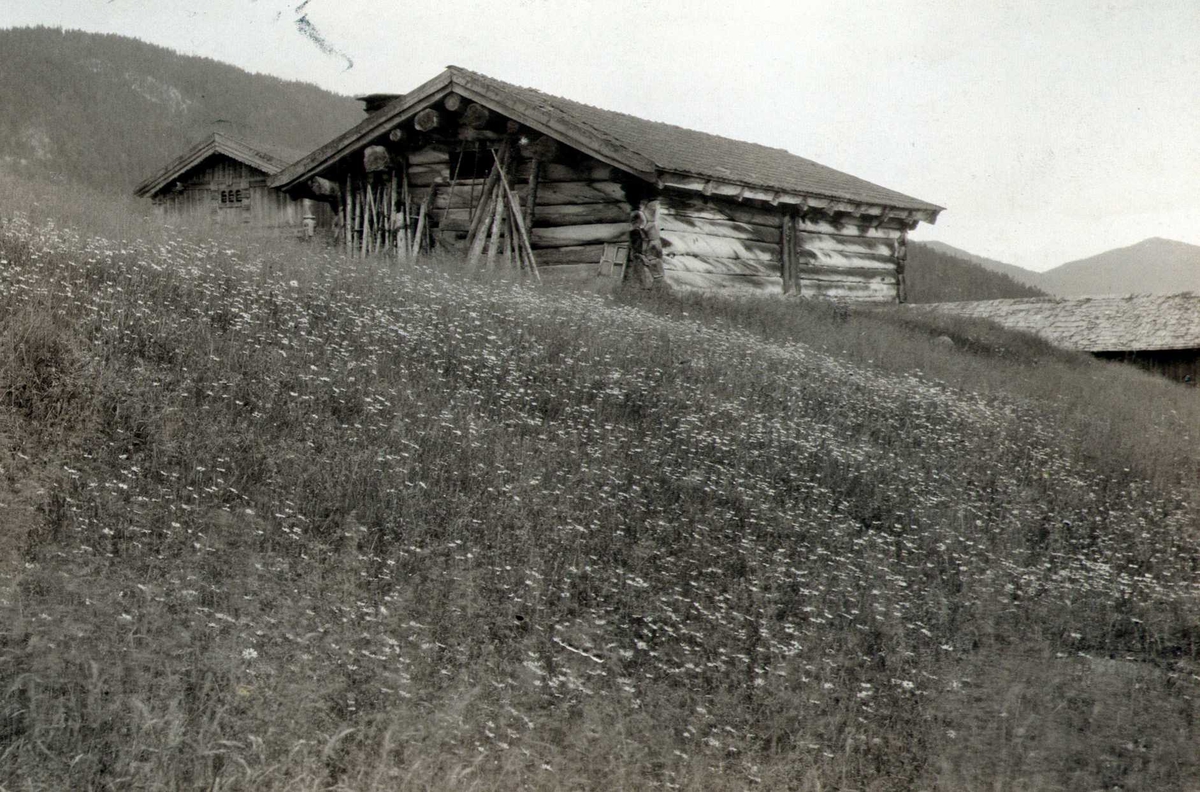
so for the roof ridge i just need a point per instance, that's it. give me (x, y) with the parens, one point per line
(638, 118)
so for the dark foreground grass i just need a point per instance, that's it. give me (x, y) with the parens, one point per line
(276, 520)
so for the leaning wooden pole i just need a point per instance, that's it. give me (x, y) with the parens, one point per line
(406, 199)
(348, 226)
(522, 231)
(497, 224)
(364, 198)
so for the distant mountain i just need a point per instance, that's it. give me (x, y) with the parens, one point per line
(1019, 274)
(109, 110)
(1152, 266)
(936, 272)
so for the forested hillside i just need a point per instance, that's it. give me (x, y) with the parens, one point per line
(932, 275)
(108, 110)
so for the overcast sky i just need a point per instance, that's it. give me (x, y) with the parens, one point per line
(1050, 130)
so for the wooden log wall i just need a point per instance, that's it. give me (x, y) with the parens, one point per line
(581, 205)
(716, 243)
(848, 257)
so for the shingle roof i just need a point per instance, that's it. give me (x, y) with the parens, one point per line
(643, 147)
(266, 157)
(1095, 324)
(680, 150)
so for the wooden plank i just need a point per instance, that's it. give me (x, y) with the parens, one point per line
(719, 227)
(425, 175)
(430, 155)
(580, 214)
(841, 274)
(721, 266)
(546, 216)
(567, 273)
(569, 236)
(869, 292)
(836, 258)
(708, 209)
(711, 281)
(558, 193)
(845, 244)
(461, 198)
(555, 172)
(575, 254)
(719, 247)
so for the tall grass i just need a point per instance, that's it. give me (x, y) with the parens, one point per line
(279, 520)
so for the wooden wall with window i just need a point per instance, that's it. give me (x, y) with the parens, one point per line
(224, 191)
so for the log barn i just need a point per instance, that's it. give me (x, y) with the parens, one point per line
(223, 180)
(467, 162)
(1158, 332)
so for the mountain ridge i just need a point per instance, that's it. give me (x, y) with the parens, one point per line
(1156, 265)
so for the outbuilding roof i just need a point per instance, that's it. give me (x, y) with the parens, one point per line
(266, 157)
(1141, 322)
(648, 149)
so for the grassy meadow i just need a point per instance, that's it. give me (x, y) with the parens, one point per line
(275, 519)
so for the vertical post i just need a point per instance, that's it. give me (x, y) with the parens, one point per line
(789, 253)
(653, 251)
(362, 200)
(407, 206)
(901, 258)
(391, 210)
(534, 176)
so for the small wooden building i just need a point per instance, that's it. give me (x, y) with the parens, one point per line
(223, 181)
(1158, 332)
(597, 193)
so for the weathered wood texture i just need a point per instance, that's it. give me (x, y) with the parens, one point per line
(223, 191)
(714, 244)
(717, 242)
(582, 205)
(579, 206)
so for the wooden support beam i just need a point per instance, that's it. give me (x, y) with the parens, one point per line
(788, 243)
(535, 172)
(396, 135)
(453, 102)
(469, 134)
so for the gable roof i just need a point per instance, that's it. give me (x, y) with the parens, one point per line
(647, 149)
(1140, 322)
(268, 158)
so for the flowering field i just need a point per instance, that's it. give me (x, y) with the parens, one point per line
(275, 519)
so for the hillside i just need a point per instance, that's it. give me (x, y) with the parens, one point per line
(280, 520)
(107, 110)
(1019, 274)
(936, 272)
(1152, 266)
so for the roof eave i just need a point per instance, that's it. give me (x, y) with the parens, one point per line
(380, 121)
(742, 191)
(214, 144)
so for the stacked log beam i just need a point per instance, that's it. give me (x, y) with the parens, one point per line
(717, 242)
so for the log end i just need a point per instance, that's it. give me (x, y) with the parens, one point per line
(427, 120)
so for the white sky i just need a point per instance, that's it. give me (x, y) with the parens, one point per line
(1050, 130)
